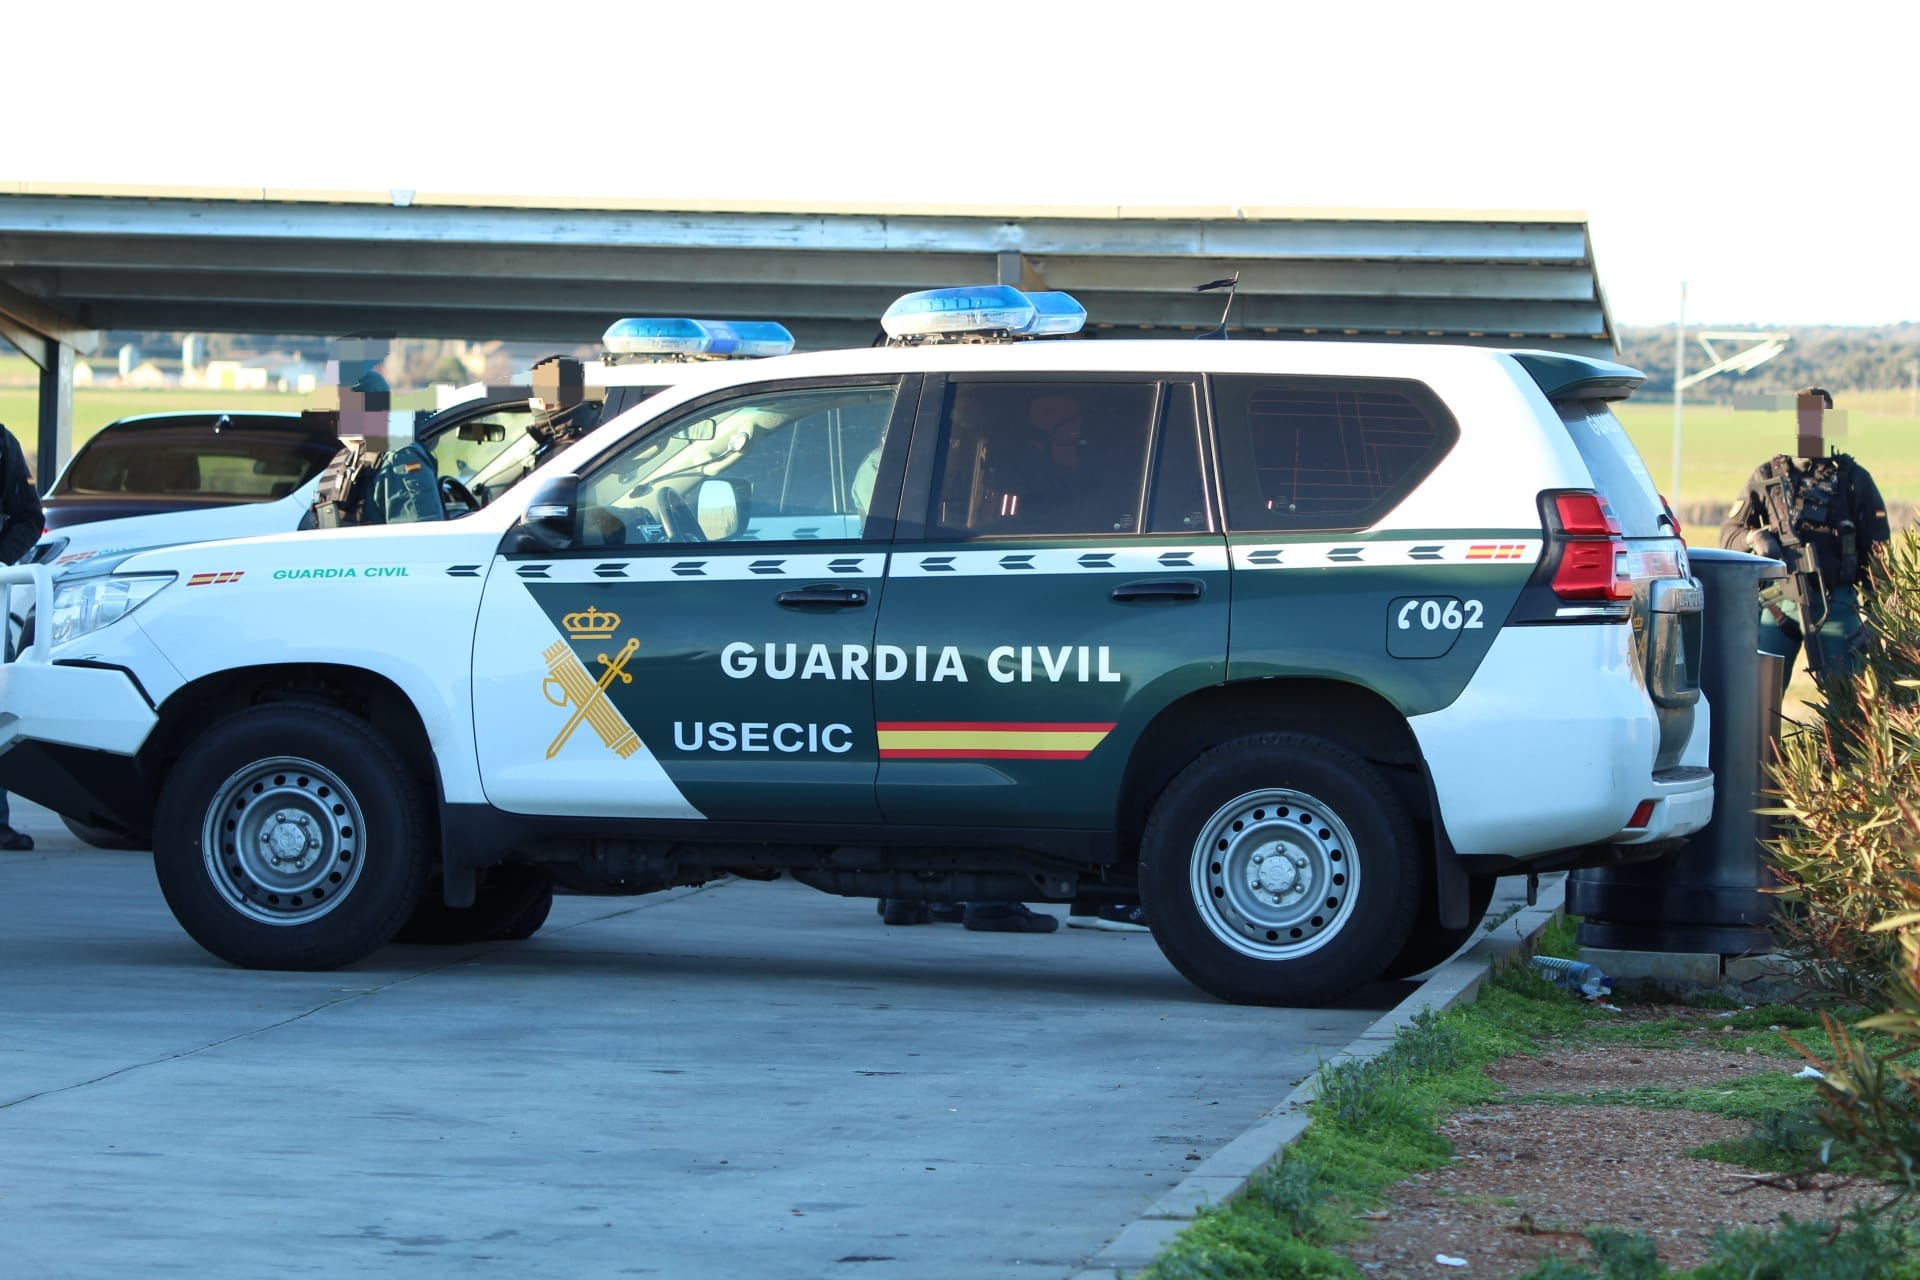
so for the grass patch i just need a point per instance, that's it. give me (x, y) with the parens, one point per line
(1376, 1121)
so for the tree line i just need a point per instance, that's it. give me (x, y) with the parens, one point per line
(1839, 358)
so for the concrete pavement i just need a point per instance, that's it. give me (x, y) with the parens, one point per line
(745, 1080)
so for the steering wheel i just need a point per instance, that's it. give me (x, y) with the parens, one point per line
(453, 490)
(679, 519)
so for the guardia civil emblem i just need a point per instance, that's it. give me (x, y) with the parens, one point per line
(570, 684)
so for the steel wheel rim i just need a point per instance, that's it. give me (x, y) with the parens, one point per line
(1274, 874)
(282, 841)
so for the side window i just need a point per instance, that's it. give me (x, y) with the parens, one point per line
(771, 467)
(1324, 453)
(1021, 459)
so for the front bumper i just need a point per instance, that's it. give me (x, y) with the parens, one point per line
(68, 735)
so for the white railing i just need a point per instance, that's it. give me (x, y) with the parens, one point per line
(40, 577)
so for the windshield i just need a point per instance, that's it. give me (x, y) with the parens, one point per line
(193, 460)
(472, 452)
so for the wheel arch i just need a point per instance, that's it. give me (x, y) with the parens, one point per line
(365, 694)
(1354, 716)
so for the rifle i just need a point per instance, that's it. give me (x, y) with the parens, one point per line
(1805, 581)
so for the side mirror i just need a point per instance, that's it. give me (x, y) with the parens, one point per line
(720, 505)
(548, 522)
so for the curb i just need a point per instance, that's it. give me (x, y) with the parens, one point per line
(1224, 1175)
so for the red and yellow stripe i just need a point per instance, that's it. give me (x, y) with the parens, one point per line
(988, 739)
(215, 579)
(1496, 551)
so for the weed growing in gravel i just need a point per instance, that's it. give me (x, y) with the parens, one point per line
(1859, 1248)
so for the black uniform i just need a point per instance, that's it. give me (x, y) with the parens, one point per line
(21, 521)
(1834, 522)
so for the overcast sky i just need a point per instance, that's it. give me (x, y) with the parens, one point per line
(1760, 152)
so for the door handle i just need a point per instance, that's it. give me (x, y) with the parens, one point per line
(822, 594)
(1158, 589)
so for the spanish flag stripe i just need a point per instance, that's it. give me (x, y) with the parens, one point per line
(989, 726)
(993, 741)
(936, 753)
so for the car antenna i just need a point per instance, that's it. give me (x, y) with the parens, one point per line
(1231, 284)
(222, 421)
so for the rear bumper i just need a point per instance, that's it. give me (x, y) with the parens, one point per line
(1551, 746)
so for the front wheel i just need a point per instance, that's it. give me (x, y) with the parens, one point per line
(291, 836)
(1279, 869)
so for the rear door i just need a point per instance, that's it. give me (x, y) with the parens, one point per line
(1060, 577)
(1666, 603)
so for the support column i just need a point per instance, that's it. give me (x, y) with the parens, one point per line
(56, 414)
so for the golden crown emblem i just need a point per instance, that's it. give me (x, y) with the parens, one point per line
(591, 624)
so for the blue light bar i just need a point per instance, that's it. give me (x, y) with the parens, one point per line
(696, 339)
(984, 308)
(1054, 313)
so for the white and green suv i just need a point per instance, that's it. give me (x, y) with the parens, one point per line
(1301, 643)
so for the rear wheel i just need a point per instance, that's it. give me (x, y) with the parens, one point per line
(1430, 943)
(1279, 869)
(509, 905)
(291, 836)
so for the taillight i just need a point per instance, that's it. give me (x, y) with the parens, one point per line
(1585, 515)
(1590, 566)
(1590, 570)
(1586, 573)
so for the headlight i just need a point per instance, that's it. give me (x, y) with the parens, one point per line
(84, 606)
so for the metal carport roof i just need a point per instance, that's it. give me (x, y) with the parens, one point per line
(75, 259)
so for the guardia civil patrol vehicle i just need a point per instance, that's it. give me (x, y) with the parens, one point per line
(1302, 644)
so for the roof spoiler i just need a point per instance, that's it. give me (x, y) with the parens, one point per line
(1565, 377)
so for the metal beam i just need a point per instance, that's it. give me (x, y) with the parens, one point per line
(26, 341)
(35, 314)
(1250, 239)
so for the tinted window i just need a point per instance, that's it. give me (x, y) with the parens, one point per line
(1324, 453)
(196, 461)
(1618, 472)
(1020, 459)
(797, 465)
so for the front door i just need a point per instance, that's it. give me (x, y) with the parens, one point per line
(702, 650)
(1069, 582)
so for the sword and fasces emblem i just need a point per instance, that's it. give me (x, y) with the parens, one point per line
(568, 683)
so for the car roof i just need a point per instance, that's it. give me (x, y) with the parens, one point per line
(261, 419)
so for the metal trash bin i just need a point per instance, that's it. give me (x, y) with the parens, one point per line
(1707, 898)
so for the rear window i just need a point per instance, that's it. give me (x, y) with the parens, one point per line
(1618, 473)
(1324, 453)
(194, 461)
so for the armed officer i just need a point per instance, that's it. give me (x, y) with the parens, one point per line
(1821, 514)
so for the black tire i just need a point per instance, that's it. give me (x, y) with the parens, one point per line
(291, 836)
(1430, 943)
(509, 905)
(107, 837)
(1326, 918)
